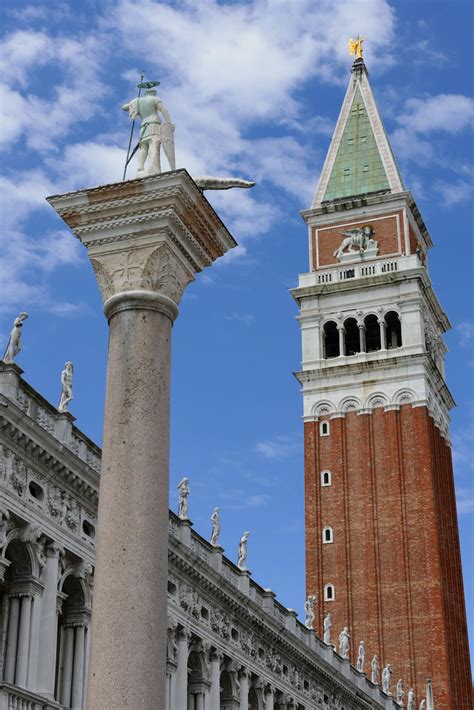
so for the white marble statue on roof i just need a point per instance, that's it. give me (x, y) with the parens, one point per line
(242, 557)
(66, 387)
(216, 527)
(156, 130)
(387, 678)
(344, 642)
(327, 628)
(411, 700)
(361, 657)
(374, 668)
(309, 611)
(400, 691)
(184, 491)
(14, 341)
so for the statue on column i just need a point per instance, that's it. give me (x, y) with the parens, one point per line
(184, 491)
(216, 527)
(344, 642)
(309, 611)
(374, 667)
(243, 551)
(327, 628)
(361, 657)
(400, 692)
(387, 678)
(14, 342)
(411, 700)
(66, 392)
(154, 132)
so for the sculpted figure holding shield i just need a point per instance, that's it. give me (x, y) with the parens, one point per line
(154, 132)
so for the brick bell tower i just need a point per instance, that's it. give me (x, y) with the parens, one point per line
(382, 546)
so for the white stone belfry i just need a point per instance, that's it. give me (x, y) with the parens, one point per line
(146, 239)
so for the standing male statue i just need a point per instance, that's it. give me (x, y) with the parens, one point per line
(66, 391)
(153, 131)
(400, 692)
(327, 628)
(361, 657)
(14, 342)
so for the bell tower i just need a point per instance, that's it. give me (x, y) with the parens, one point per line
(382, 547)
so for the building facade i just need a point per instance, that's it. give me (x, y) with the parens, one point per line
(231, 644)
(382, 546)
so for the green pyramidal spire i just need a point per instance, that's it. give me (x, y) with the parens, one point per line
(360, 160)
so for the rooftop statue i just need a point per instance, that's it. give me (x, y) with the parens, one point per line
(66, 391)
(309, 611)
(154, 131)
(216, 527)
(14, 341)
(184, 491)
(355, 46)
(242, 557)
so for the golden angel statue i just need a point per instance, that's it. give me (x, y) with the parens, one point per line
(355, 46)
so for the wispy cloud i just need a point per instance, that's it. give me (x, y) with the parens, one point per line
(465, 500)
(278, 448)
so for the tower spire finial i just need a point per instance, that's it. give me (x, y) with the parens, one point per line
(355, 46)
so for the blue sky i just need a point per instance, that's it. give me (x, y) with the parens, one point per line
(254, 89)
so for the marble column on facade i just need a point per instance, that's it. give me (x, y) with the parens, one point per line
(33, 651)
(48, 624)
(146, 239)
(181, 682)
(244, 689)
(362, 343)
(342, 348)
(23, 640)
(77, 685)
(383, 334)
(67, 665)
(216, 658)
(12, 639)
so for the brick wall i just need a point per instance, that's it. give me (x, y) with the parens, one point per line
(395, 560)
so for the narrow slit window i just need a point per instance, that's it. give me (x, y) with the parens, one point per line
(326, 478)
(324, 429)
(328, 535)
(329, 593)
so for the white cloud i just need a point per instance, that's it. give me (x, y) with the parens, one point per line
(453, 193)
(277, 448)
(466, 333)
(465, 500)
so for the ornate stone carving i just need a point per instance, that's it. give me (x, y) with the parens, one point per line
(18, 476)
(172, 643)
(400, 692)
(374, 670)
(361, 657)
(242, 556)
(327, 628)
(358, 242)
(387, 679)
(150, 269)
(70, 512)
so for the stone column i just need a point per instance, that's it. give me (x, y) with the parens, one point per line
(383, 334)
(12, 639)
(342, 349)
(66, 676)
(362, 343)
(34, 642)
(78, 668)
(146, 239)
(216, 658)
(181, 688)
(244, 689)
(48, 624)
(23, 641)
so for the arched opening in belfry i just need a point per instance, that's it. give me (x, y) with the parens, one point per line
(331, 340)
(393, 330)
(351, 336)
(17, 605)
(73, 628)
(372, 333)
